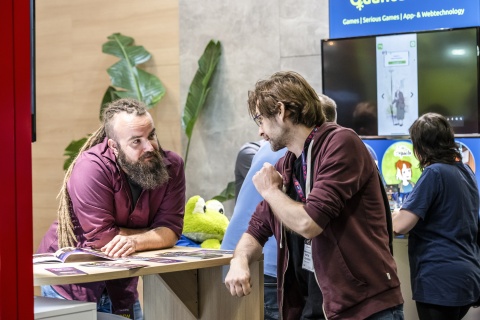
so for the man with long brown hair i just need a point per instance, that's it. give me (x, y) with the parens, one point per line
(323, 202)
(122, 194)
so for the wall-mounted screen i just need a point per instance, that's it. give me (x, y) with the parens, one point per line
(382, 84)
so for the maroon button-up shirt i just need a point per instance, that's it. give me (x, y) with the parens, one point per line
(101, 200)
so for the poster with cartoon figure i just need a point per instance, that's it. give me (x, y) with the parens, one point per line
(404, 174)
(397, 83)
(400, 171)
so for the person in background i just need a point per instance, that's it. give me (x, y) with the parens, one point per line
(244, 161)
(247, 200)
(441, 217)
(323, 202)
(329, 108)
(245, 205)
(122, 194)
(364, 118)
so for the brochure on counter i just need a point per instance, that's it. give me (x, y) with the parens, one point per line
(71, 254)
(200, 254)
(113, 265)
(65, 271)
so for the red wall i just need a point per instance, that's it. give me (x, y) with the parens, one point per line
(16, 285)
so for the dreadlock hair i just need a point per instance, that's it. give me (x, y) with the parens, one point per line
(65, 230)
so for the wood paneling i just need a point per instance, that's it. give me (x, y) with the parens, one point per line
(71, 80)
(212, 302)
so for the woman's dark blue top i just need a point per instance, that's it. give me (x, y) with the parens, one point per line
(443, 251)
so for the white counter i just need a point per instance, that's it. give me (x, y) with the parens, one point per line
(58, 309)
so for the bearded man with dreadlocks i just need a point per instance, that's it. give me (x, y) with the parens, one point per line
(122, 194)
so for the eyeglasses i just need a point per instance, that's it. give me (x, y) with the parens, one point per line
(258, 119)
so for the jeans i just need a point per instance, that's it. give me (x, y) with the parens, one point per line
(395, 313)
(103, 305)
(270, 308)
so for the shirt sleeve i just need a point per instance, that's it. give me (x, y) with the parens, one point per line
(423, 194)
(92, 195)
(262, 223)
(259, 226)
(344, 166)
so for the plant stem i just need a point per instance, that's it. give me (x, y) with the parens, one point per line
(186, 153)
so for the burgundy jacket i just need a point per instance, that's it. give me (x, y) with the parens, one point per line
(101, 201)
(353, 264)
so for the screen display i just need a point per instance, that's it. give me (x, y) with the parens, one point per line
(382, 84)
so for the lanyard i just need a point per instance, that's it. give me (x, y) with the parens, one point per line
(296, 183)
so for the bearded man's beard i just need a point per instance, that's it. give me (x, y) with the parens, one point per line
(149, 171)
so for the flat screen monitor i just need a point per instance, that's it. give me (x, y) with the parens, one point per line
(381, 84)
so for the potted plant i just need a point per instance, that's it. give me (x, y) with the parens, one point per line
(127, 81)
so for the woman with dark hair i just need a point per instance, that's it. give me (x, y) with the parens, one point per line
(441, 216)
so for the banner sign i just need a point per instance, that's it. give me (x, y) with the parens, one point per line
(355, 18)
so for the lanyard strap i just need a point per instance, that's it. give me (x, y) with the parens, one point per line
(305, 167)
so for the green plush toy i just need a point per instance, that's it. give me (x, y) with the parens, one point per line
(205, 222)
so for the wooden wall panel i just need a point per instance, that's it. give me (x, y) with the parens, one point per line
(71, 79)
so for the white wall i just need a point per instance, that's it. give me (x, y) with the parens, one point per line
(258, 38)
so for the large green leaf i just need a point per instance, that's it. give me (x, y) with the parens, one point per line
(126, 78)
(227, 194)
(122, 47)
(109, 96)
(149, 86)
(199, 88)
(71, 151)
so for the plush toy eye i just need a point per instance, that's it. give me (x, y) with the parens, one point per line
(200, 206)
(215, 205)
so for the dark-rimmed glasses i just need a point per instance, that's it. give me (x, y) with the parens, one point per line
(258, 119)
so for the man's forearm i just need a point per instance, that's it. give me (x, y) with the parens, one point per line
(238, 279)
(146, 239)
(248, 249)
(292, 214)
(130, 232)
(403, 221)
